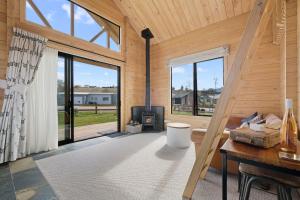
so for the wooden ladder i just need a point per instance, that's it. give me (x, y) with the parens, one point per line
(255, 28)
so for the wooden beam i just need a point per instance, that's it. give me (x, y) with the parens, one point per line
(39, 13)
(108, 39)
(113, 29)
(97, 35)
(256, 25)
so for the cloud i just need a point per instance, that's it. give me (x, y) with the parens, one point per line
(90, 20)
(199, 69)
(60, 76)
(28, 6)
(178, 70)
(80, 14)
(60, 64)
(83, 16)
(49, 16)
(66, 7)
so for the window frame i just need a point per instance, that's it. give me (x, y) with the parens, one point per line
(62, 38)
(195, 86)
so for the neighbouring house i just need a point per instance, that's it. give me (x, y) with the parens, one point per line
(84, 98)
(91, 95)
(182, 97)
(183, 100)
(81, 98)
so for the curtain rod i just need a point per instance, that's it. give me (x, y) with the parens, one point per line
(86, 50)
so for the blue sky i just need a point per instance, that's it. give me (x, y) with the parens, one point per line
(57, 13)
(86, 74)
(207, 72)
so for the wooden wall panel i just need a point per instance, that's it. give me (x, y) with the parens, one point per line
(262, 89)
(298, 60)
(291, 52)
(3, 43)
(135, 72)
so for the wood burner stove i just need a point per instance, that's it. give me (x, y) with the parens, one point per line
(151, 117)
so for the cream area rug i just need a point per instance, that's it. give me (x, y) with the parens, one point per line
(136, 167)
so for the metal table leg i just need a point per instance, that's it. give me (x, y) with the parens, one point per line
(224, 176)
(239, 179)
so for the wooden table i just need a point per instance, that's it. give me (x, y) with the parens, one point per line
(260, 157)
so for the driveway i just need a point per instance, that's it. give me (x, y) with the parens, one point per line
(89, 131)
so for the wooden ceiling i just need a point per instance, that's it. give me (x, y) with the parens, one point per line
(170, 18)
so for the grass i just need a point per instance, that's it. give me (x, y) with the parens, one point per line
(181, 113)
(84, 118)
(206, 114)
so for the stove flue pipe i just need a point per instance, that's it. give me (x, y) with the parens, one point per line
(146, 33)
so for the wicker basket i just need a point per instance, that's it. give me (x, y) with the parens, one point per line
(132, 129)
(265, 139)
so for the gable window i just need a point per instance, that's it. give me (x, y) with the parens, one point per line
(196, 87)
(72, 19)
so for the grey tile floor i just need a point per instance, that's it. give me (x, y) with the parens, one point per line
(22, 179)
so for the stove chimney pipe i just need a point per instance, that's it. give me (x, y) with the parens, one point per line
(146, 33)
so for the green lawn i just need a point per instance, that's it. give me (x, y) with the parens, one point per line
(84, 118)
(208, 114)
(181, 113)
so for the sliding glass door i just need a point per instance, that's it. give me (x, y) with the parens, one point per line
(64, 99)
(88, 99)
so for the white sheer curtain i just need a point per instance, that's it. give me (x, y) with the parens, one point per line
(41, 106)
(24, 57)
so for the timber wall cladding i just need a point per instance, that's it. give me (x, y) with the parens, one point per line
(262, 82)
(3, 44)
(291, 51)
(135, 71)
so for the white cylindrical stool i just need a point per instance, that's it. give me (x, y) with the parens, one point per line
(178, 135)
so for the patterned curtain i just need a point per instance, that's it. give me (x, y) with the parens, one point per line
(25, 53)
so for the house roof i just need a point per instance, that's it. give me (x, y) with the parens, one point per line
(88, 93)
(95, 90)
(180, 93)
(93, 93)
(183, 93)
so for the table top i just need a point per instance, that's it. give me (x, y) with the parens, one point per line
(178, 125)
(267, 156)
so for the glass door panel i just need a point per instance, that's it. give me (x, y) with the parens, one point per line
(63, 103)
(95, 97)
